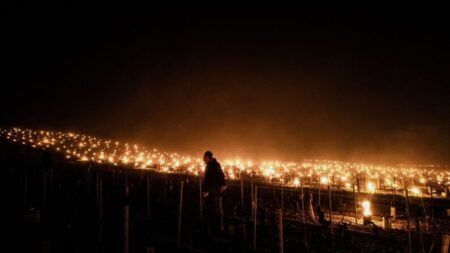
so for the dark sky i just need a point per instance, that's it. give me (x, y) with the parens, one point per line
(347, 85)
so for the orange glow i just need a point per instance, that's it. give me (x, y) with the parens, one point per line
(334, 173)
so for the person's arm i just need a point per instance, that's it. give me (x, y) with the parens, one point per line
(205, 186)
(221, 180)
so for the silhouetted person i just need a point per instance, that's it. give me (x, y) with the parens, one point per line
(213, 186)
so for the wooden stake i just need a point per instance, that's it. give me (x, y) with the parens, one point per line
(127, 185)
(282, 197)
(252, 198)
(331, 216)
(395, 188)
(221, 213)
(100, 209)
(420, 234)
(311, 208)
(319, 193)
(126, 211)
(408, 221)
(280, 230)
(355, 199)
(200, 196)
(274, 197)
(424, 213)
(255, 214)
(97, 193)
(179, 214)
(242, 189)
(431, 189)
(303, 204)
(445, 243)
(101, 199)
(358, 188)
(303, 215)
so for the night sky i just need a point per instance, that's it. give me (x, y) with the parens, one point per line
(326, 84)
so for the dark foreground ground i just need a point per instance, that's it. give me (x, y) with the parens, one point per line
(53, 205)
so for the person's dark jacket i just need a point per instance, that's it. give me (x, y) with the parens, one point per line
(214, 177)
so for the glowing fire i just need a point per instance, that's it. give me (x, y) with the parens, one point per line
(415, 191)
(366, 208)
(296, 182)
(324, 180)
(371, 187)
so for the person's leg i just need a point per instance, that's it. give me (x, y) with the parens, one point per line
(220, 206)
(208, 239)
(209, 215)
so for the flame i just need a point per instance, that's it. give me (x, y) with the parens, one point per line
(371, 187)
(296, 182)
(415, 191)
(324, 180)
(366, 208)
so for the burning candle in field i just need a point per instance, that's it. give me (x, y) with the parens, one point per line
(91, 149)
(371, 187)
(415, 191)
(296, 182)
(367, 213)
(324, 180)
(366, 208)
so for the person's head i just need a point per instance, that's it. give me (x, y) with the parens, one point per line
(208, 156)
